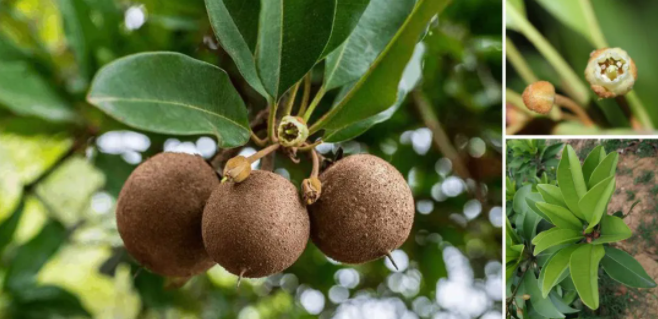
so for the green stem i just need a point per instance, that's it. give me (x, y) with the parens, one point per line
(639, 111)
(596, 34)
(291, 99)
(314, 104)
(271, 123)
(572, 83)
(519, 63)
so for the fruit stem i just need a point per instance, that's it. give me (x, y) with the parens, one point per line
(240, 277)
(257, 140)
(314, 103)
(307, 94)
(291, 99)
(390, 258)
(308, 147)
(262, 153)
(316, 163)
(271, 123)
(569, 104)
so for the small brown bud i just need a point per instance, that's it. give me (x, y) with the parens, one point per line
(312, 189)
(237, 169)
(539, 97)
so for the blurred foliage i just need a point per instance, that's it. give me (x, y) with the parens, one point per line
(564, 26)
(60, 254)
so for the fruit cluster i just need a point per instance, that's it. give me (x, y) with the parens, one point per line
(177, 219)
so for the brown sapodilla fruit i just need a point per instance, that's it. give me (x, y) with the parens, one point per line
(159, 213)
(257, 227)
(366, 210)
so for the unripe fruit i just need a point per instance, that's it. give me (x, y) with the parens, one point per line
(366, 210)
(255, 228)
(159, 213)
(292, 131)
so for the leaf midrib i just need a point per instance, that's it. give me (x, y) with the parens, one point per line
(137, 100)
(624, 266)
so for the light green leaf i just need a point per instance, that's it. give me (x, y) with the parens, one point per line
(26, 93)
(560, 216)
(593, 160)
(554, 270)
(570, 13)
(519, 5)
(623, 268)
(584, 267)
(79, 30)
(613, 229)
(594, 203)
(542, 305)
(410, 78)
(291, 39)
(554, 237)
(560, 304)
(171, 93)
(379, 23)
(68, 189)
(519, 203)
(570, 180)
(235, 23)
(347, 14)
(605, 169)
(376, 91)
(551, 194)
(509, 231)
(532, 203)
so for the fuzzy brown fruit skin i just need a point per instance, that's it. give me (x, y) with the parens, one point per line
(366, 210)
(159, 213)
(256, 228)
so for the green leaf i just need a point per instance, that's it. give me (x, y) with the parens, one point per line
(519, 203)
(171, 93)
(551, 194)
(292, 37)
(542, 305)
(554, 270)
(560, 216)
(605, 169)
(570, 13)
(584, 267)
(560, 304)
(31, 256)
(347, 14)
(26, 93)
(551, 151)
(593, 205)
(593, 160)
(519, 5)
(379, 23)
(79, 30)
(48, 302)
(623, 268)
(509, 231)
(235, 23)
(570, 180)
(377, 90)
(8, 227)
(554, 237)
(410, 78)
(532, 200)
(613, 229)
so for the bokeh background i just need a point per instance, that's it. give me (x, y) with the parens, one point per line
(623, 23)
(63, 163)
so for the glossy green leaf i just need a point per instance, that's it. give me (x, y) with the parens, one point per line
(570, 13)
(543, 257)
(379, 23)
(291, 39)
(584, 267)
(554, 237)
(623, 268)
(551, 194)
(561, 305)
(613, 229)
(551, 151)
(532, 202)
(519, 204)
(31, 256)
(511, 233)
(519, 6)
(171, 93)
(560, 216)
(554, 270)
(347, 14)
(593, 205)
(235, 23)
(26, 93)
(593, 160)
(48, 302)
(605, 169)
(377, 90)
(410, 78)
(542, 305)
(570, 180)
